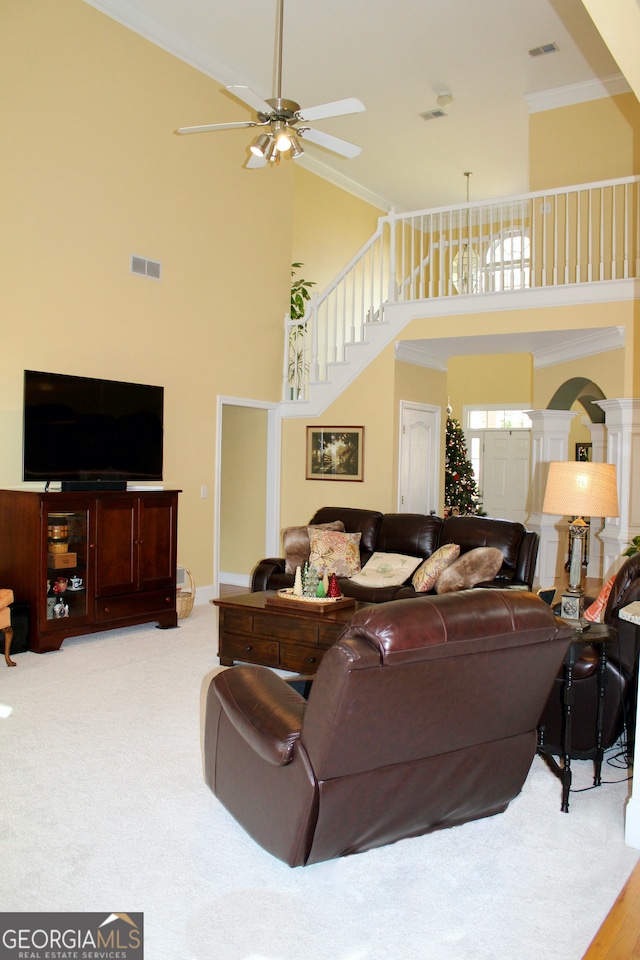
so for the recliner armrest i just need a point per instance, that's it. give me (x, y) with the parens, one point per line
(263, 708)
(262, 572)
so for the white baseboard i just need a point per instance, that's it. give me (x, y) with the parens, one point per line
(235, 579)
(204, 595)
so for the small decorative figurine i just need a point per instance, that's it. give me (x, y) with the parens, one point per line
(311, 585)
(334, 589)
(297, 585)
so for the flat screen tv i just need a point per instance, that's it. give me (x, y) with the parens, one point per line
(91, 433)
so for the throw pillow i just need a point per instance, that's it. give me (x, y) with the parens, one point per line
(424, 579)
(595, 612)
(296, 545)
(337, 553)
(472, 567)
(386, 570)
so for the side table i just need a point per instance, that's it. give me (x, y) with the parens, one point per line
(599, 635)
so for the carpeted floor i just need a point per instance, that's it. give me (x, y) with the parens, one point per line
(103, 808)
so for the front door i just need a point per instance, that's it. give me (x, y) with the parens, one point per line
(505, 474)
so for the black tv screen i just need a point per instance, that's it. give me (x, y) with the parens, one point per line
(87, 430)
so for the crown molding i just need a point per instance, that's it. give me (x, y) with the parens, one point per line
(577, 93)
(148, 27)
(320, 169)
(590, 343)
(435, 354)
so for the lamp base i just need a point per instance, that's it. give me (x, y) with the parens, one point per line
(572, 606)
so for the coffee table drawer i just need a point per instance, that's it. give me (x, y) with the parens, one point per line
(299, 658)
(249, 649)
(285, 628)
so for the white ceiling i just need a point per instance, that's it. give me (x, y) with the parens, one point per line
(396, 56)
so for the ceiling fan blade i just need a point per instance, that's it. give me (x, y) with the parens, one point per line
(336, 109)
(343, 147)
(250, 98)
(217, 126)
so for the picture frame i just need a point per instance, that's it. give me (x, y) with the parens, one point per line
(584, 452)
(335, 453)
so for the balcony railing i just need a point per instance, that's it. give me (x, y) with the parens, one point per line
(573, 235)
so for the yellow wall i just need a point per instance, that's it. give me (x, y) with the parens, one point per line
(329, 227)
(365, 403)
(92, 172)
(591, 141)
(242, 488)
(490, 379)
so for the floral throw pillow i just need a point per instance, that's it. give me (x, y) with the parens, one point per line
(295, 541)
(334, 552)
(595, 612)
(424, 579)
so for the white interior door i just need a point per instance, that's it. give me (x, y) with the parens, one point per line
(505, 473)
(419, 458)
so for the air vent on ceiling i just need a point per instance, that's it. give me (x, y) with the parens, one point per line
(145, 268)
(545, 48)
(432, 114)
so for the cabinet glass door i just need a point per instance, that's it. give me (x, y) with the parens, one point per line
(66, 586)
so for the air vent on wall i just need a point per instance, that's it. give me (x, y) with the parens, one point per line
(545, 48)
(145, 268)
(432, 114)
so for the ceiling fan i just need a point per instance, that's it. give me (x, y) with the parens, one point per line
(283, 122)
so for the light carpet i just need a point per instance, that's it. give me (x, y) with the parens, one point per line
(103, 807)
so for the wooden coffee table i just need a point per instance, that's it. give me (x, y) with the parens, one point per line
(288, 637)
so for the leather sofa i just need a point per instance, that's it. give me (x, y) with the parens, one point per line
(415, 535)
(423, 715)
(621, 679)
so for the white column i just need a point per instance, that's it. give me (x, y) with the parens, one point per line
(549, 442)
(595, 567)
(622, 419)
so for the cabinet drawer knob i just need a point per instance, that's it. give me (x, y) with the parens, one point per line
(248, 647)
(107, 609)
(311, 660)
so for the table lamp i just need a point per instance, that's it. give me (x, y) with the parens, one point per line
(579, 490)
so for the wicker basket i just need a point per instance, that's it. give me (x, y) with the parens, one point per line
(185, 597)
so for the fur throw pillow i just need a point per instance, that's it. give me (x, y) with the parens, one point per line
(472, 567)
(296, 544)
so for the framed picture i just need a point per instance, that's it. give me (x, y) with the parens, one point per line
(335, 453)
(583, 452)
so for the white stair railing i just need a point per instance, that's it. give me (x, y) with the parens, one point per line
(573, 235)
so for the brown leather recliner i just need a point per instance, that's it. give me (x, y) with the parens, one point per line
(423, 715)
(621, 679)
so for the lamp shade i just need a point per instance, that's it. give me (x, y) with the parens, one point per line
(579, 489)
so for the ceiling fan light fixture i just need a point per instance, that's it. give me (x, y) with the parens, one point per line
(260, 146)
(297, 149)
(282, 136)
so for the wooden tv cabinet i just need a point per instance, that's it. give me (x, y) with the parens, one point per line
(121, 545)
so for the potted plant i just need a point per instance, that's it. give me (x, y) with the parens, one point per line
(300, 296)
(633, 547)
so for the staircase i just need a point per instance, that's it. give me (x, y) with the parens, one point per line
(459, 259)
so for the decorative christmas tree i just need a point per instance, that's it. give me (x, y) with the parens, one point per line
(460, 488)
